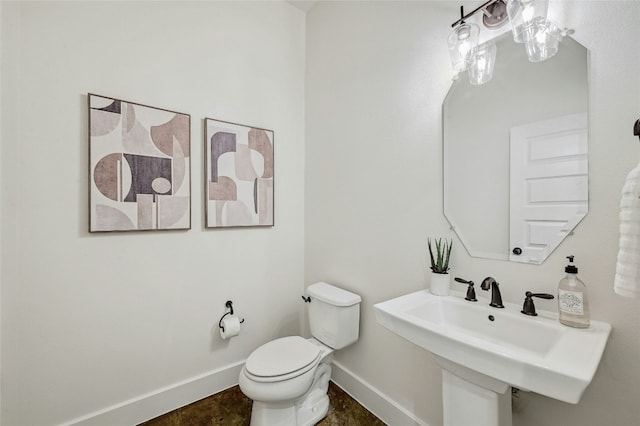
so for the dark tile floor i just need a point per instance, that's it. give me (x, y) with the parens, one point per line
(232, 408)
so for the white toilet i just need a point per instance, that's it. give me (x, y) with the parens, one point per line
(288, 378)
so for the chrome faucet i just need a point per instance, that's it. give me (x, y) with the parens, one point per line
(496, 297)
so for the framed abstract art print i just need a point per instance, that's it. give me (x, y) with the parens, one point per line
(139, 167)
(239, 175)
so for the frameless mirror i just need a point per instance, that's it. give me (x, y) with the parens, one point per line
(515, 154)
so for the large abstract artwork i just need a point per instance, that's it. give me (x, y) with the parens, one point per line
(239, 175)
(140, 167)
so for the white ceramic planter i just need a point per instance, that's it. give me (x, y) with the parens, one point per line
(440, 284)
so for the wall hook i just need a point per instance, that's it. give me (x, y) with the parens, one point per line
(228, 305)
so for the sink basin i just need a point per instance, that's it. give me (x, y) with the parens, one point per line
(531, 353)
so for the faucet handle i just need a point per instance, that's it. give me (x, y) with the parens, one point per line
(471, 293)
(528, 308)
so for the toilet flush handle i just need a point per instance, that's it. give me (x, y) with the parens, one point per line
(306, 299)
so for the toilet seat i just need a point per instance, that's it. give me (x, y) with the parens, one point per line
(282, 359)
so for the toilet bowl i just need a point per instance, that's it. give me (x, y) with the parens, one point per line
(288, 378)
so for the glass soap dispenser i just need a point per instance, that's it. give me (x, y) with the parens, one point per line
(573, 304)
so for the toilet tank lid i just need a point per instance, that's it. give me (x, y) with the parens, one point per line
(333, 295)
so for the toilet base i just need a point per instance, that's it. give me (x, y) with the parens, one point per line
(305, 411)
(314, 409)
(276, 413)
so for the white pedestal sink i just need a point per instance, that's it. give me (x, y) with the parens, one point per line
(484, 351)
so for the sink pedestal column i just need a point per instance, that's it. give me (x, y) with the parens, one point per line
(465, 403)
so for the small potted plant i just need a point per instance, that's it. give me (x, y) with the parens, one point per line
(439, 257)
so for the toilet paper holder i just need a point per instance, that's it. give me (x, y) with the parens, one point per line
(228, 305)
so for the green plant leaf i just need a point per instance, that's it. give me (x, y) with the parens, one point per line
(440, 262)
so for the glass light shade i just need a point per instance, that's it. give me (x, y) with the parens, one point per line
(480, 63)
(541, 40)
(523, 13)
(462, 39)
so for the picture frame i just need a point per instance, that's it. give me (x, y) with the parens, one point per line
(139, 166)
(239, 175)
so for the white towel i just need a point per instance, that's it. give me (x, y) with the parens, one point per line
(627, 281)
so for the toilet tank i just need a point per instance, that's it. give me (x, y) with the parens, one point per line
(334, 315)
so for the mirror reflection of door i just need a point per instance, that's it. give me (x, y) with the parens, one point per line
(476, 150)
(548, 185)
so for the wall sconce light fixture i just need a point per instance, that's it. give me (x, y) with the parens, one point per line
(462, 40)
(480, 62)
(529, 25)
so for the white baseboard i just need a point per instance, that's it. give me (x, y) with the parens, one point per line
(373, 399)
(154, 404)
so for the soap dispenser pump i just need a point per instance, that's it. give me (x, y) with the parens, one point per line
(573, 304)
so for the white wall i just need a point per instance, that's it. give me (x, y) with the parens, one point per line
(89, 321)
(0, 213)
(377, 73)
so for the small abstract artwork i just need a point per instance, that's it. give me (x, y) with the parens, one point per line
(239, 175)
(139, 167)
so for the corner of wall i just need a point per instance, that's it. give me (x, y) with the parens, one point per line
(1, 26)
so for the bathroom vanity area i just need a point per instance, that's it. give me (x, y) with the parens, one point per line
(485, 351)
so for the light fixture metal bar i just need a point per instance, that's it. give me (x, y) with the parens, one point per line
(473, 12)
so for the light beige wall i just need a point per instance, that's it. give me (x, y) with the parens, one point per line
(0, 207)
(377, 73)
(90, 321)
